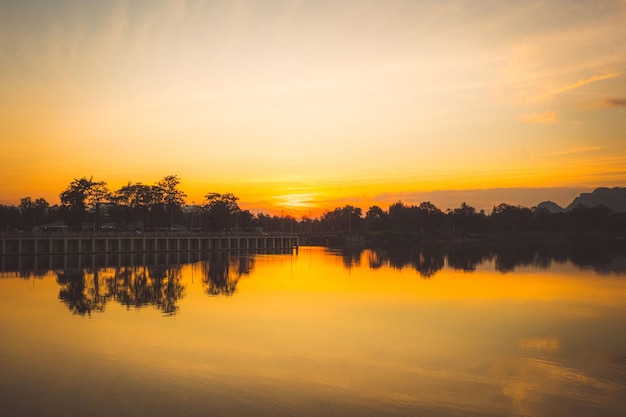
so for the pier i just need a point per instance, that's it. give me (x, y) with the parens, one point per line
(60, 244)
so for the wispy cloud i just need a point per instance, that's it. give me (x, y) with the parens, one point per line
(583, 82)
(546, 118)
(548, 345)
(616, 102)
(596, 103)
(576, 150)
(613, 102)
(555, 59)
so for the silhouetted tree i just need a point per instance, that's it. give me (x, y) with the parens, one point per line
(98, 194)
(400, 218)
(133, 202)
(589, 218)
(33, 212)
(9, 218)
(308, 225)
(162, 204)
(289, 224)
(548, 222)
(221, 211)
(170, 196)
(80, 195)
(465, 219)
(413, 219)
(346, 219)
(431, 218)
(244, 220)
(267, 223)
(505, 217)
(376, 219)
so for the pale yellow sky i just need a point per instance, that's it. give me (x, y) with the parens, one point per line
(306, 105)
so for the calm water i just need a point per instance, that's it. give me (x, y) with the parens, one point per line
(460, 331)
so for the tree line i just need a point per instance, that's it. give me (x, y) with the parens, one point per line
(89, 205)
(427, 220)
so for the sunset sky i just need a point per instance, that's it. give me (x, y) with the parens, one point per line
(310, 105)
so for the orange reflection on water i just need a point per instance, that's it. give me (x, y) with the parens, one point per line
(316, 332)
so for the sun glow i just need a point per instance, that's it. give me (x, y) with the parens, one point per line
(305, 106)
(297, 202)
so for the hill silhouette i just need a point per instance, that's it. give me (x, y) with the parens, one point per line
(612, 198)
(550, 206)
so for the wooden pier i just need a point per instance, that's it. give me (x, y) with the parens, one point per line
(149, 243)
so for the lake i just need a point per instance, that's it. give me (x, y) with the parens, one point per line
(458, 330)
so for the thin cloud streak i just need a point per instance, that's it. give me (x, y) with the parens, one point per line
(582, 83)
(545, 118)
(576, 150)
(614, 102)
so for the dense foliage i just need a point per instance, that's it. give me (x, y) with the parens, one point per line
(88, 205)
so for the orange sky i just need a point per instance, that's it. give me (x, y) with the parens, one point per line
(302, 106)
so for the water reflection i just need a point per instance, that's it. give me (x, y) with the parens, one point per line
(86, 291)
(141, 280)
(222, 271)
(427, 260)
(320, 333)
(81, 295)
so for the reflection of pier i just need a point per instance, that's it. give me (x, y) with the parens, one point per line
(97, 244)
(19, 263)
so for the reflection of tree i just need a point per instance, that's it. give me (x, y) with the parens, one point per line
(351, 257)
(602, 256)
(159, 286)
(81, 291)
(85, 292)
(168, 290)
(467, 256)
(375, 259)
(428, 262)
(425, 260)
(599, 255)
(508, 257)
(222, 271)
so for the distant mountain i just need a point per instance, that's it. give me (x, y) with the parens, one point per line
(613, 198)
(551, 206)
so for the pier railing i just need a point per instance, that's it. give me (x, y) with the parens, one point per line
(121, 242)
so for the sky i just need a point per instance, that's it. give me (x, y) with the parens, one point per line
(304, 106)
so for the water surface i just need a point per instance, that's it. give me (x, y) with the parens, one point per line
(460, 331)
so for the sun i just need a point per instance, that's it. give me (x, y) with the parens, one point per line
(297, 203)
